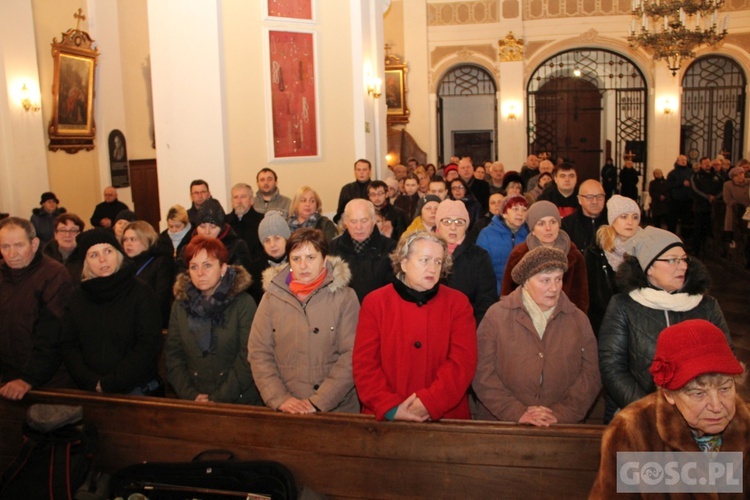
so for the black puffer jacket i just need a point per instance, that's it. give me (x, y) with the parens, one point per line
(627, 337)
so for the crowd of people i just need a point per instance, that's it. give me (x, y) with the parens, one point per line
(457, 292)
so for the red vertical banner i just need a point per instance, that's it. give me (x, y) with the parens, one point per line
(293, 94)
(291, 9)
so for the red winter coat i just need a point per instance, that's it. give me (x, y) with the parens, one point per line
(402, 348)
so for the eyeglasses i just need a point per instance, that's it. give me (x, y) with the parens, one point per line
(592, 197)
(458, 188)
(675, 261)
(455, 222)
(68, 231)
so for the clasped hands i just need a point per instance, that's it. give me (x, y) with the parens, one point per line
(541, 416)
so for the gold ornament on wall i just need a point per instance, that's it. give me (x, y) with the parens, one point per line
(511, 48)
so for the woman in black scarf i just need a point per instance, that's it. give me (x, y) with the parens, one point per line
(112, 329)
(206, 348)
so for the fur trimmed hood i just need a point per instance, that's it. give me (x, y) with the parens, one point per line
(631, 277)
(241, 282)
(338, 275)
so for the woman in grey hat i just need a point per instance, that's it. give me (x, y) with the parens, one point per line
(537, 360)
(659, 286)
(543, 220)
(273, 233)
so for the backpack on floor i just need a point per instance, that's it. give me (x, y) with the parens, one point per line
(55, 456)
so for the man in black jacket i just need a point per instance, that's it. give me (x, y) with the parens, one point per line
(106, 211)
(707, 187)
(582, 225)
(244, 219)
(356, 189)
(364, 248)
(479, 188)
(34, 290)
(378, 194)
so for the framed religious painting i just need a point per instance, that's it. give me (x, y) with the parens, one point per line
(299, 11)
(72, 126)
(292, 91)
(395, 93)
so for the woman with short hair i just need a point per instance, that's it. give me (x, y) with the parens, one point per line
(63, 247)
(306, 211)
(416, 347)
(538, 358)
(154, 266)
(112, 327)
(206, 349)
(301, 340)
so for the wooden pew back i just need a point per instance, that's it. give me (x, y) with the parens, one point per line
(343, 456)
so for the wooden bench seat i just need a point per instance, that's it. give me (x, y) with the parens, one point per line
(343, 456)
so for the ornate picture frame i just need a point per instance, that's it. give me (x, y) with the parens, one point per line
(72, 126)
(395, 90)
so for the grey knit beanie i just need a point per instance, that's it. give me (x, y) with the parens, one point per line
(424, 200)
(540, 210)
(618, 205)
(273, 224)
(212, 212)
(649, 244)
(537, 260)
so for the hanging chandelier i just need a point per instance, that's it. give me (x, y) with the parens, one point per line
(673, 29)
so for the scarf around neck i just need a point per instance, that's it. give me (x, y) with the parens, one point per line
(538, 317)
(561, 243)
(206, 313)
(295, 224)
(662, 300)
(616, 256)
(411, 295)
(179, 235)
(303, 290)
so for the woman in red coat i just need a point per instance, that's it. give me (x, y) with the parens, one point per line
(415, 352)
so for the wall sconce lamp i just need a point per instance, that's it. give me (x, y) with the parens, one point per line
(374, 86)
(26, 102)
(511, 110)
(667, 108)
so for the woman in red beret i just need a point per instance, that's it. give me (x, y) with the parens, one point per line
(695, 408)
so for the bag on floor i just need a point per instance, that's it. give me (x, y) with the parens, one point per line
(55, 456)
(206, 479)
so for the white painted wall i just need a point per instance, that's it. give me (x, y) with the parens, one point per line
(23, 163)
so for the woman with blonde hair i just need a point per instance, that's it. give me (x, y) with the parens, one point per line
(306, 210)
(178, 232)
(416, 346)
(112, 327)
(153, 263)
(605, 255)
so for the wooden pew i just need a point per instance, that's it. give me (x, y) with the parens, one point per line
(342, 456)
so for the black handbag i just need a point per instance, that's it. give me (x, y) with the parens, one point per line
(206, 479)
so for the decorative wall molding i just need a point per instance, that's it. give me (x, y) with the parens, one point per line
(555, 9)
(511, 48)
(460, 13)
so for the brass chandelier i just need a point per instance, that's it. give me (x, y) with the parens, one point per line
(673, 29)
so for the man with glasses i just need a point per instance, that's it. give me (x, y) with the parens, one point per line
(34, 290)
(377, 192)
(105, 212)
(199, 193)
(62, 247)
(582, 225)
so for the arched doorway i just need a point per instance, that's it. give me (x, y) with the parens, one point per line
(467, 114)
(713, 109)
(585, 105)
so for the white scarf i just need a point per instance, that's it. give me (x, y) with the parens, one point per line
(177, 237)
(664, 301)
(538, 317)
(616, 256)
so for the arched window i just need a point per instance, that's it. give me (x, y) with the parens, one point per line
(467, 114)
(586, 104)
(713, 108)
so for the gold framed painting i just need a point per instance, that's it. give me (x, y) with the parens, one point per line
(395, 93)
(72, 126)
